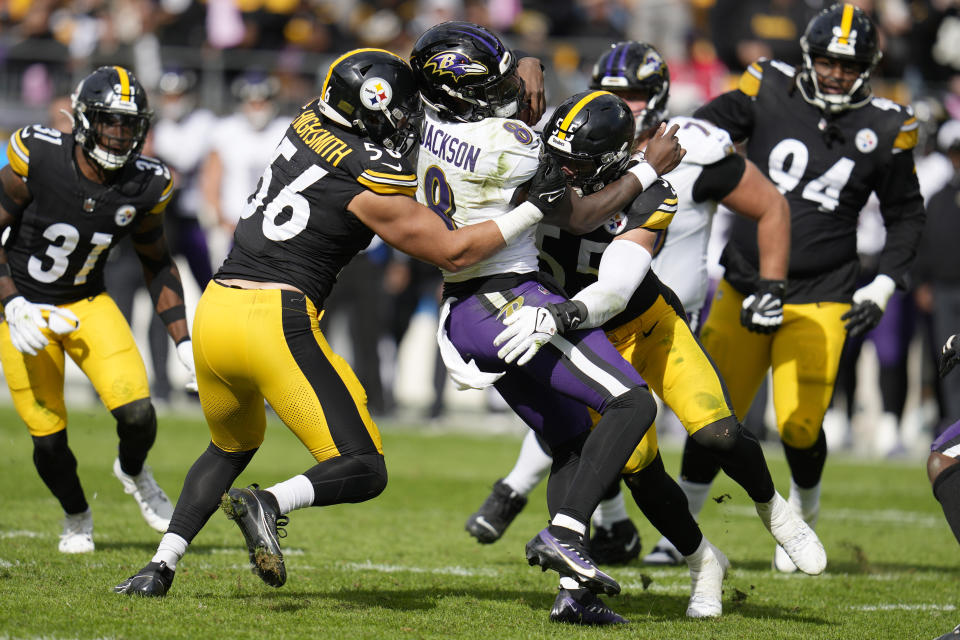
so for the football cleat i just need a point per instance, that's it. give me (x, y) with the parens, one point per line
(262, 525)
(950, 635)
(583, 607)
(569, 558)
(798, 540)
(706, 583)
(496, 513)
(153, 502)
(77, 536)
(153, 581)
(664, 554)
(618, 544)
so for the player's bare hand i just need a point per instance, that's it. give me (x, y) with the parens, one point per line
(531, 73)
(664, 152)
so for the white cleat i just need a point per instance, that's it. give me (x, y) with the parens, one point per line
(708, 568)
(797, 539)
(782, 562)
(77, 536)
(153, 502)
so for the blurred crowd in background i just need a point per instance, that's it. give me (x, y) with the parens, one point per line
(226, 75)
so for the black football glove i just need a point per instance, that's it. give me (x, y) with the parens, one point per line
(862, 317)
(869, 301)
(762, 311)
(548, 186)
(949, 356)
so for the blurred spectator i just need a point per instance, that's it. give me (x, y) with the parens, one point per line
(240, 148)
(745, 30)
(938, 265)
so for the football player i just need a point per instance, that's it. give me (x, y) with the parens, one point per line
(709, 173)
(474, 158)
(67, 199)
(338, 176)
(821, 136)
(608, 272)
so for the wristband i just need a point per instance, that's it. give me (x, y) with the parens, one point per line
(645, 173)
(515, 222)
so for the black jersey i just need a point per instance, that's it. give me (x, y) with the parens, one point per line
(574, 261)
(826, 166)
(295, 228)
(58, 247)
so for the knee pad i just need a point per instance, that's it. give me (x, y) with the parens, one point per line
(638, 398)
(721, 435)
(378, 473)
(800, 436)
(347, 479)
(137, 421)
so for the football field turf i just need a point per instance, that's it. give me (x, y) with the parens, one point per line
(401, 566)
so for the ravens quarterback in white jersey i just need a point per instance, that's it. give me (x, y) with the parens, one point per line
(827, 143)
(338, 176)
(474, 159)
(68, 198)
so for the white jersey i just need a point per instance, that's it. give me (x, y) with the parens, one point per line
(682, 262)
(468, 171)
(182, 145)
(243, 151)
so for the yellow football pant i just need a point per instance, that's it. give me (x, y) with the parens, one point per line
(661, 347)
(103, 348)
(804, 353)
(251, 345)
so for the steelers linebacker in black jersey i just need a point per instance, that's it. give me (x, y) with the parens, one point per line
(67, 198)
(607, 273)
(819, 134)
(338, 176)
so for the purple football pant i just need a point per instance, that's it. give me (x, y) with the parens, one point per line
(551, 392)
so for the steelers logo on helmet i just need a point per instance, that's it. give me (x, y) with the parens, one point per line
(376, 93)
(124, 215)
(455, 64)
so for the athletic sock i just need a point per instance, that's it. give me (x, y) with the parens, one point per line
(532, 466)
(611, 510)
(295, 493)
(172, 547)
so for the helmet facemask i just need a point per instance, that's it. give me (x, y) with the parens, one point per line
(109, 137)
(592, 173)
(856, 96)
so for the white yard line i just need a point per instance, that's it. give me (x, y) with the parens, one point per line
(915, 518)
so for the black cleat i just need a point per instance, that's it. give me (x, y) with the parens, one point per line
(950, 635)
(496, 513)
(153, 581)
(583, 607)
(569, 558)
(262, 525)
(617, 545)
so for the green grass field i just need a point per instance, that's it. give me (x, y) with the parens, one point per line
(401, 566)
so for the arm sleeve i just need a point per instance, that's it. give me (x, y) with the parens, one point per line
(623, 266)
(717, 180)
(903, 215)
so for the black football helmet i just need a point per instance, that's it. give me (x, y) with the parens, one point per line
(591, 134)
(111, 116)
(373, 93)
(635, 68)
(466, 73)
(840, 32)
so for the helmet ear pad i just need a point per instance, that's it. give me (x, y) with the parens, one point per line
(111, 116)
(591, 134)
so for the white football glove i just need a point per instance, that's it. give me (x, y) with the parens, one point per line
(60, 321)
(528, 329)
(185, 353)
(26, 321)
